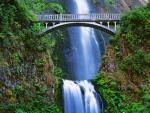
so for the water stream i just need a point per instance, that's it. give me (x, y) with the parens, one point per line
(83, 64)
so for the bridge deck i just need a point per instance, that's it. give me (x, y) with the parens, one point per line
(78, 17)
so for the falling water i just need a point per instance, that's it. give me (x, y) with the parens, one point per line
(83, 58)
(83, 63)
(81, 97)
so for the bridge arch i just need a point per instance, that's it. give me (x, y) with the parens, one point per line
(84, 24)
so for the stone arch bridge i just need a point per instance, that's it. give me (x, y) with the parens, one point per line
(106, 22)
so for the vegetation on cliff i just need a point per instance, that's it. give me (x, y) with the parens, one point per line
(26, 68)
(124, 78)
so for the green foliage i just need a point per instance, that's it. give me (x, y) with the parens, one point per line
(58, 71)
(136, 27)
(131, 45)
(109, 1)
(18, 33)
(132, 42)
(139, 62)
(57, 8)
(114, 100)
(31, 102)
(134, 107)
(146, 99)
(20, 45)
(39, 62)
(24, 10)
(143, 105)
(39, 6)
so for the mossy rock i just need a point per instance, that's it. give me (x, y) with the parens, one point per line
(12, 100)
(8, 93)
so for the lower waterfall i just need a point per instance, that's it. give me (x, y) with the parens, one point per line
(81, 97)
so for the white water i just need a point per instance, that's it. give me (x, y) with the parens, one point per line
(73, 101)
(80, 96)
(85, 52)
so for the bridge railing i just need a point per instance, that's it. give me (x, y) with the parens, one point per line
(79, 17)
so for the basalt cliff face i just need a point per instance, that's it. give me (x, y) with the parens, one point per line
(118, 5)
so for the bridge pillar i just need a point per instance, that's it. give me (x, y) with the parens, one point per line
(115, 25)
(101, 23)
(108, 24)
(46, 25)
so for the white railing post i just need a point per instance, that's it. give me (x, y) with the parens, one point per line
(51, 17)
(116, 16)
(113, 17)
(46, 25)
(60, 17)
(104, 17)
(55, 17)
(108, 24)
(115, 25)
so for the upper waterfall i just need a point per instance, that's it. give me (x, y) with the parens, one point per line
(84, 55)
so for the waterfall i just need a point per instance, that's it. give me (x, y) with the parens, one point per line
(84, 56)
(81, 97)
(83, 63)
